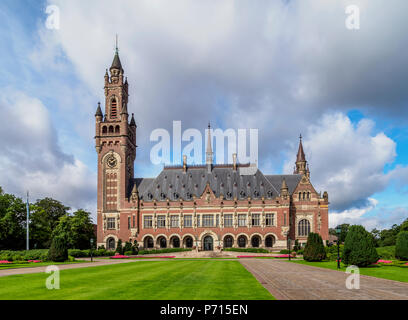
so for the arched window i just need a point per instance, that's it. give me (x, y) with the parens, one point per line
(104, 130)
(162, 242)
(300, 195)
(110, 129)
(110, 244)
(255, 241)
(189, 242)
(304, 195)
(176, 242)
(308, 196)
(117, 129)
(114, 110)
(148, 242)
(303, 228)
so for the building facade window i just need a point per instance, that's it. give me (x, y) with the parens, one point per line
(111, 223)
(242, 220)
(228, 222)
(188, 221)
(198, 220)
(208, 220)
(303, 228)
(269, 221)
(284, 219)
(134, 221)
(174, 221)
(217, 220)
(147, 222)
(256, 221)
(129, 222)
(161, 221)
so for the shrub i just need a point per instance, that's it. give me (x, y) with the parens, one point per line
(167, 250)
(119, 248)
(331, 252)
(135, 247)
(253, 250)
(128, 253)
(24, 255)
(359, 247)
(401, 247)
(314, 249)
(284, 251)
(297, 246)
(386, 253)
(127, 247)
(102, 247)
(58, 251)
(300, 251)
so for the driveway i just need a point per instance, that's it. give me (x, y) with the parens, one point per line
(292, 281)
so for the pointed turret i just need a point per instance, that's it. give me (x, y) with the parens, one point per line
(132, 121)
(209, 153)
(98, 112)
(284, 189)
(301, 159)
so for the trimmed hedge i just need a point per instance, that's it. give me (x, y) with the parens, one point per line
(167, 250)
(24, 255)
(314, 249)
(76, 253)
(401, 247)
(253, 250)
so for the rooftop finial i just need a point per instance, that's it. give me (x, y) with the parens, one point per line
(300, 137)
(209, 126)
(116, 45)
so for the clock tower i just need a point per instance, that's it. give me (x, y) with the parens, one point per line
(115, 143)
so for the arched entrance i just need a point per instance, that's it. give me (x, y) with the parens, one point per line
(269, 241)
(175, 241)
(228, 241)
(208, 243)
(255, 241)
(110, 244)
(242, 240)
(188, 242)
(162, 242)
(148, 242)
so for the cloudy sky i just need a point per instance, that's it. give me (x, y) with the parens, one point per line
(282, 67)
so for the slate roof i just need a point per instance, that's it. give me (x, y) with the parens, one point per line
(116, 62)
(175, 184)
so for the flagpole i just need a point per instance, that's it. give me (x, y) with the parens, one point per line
(28, 232)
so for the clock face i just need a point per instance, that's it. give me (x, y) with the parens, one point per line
(112, 161)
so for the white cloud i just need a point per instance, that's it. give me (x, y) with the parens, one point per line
(32, 159)
(353, 215)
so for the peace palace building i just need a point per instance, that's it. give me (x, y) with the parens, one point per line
(207, 207)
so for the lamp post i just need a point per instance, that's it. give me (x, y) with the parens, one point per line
(91, 248)
(338, 231)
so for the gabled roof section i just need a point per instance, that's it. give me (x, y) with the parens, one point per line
(292, 180)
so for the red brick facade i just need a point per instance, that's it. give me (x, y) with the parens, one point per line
(208, 217)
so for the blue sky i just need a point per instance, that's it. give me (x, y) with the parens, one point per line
(282, 68)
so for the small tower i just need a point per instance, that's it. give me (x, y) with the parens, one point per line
(301, 160)
(209, 153)
(284, 191)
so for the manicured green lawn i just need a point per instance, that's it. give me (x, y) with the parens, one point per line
(158, 280)
(38, 264)
(386, 272)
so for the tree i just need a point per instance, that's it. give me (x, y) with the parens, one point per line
(314, 249)
(359, 247)
(344, 230)
(401, 247)
(376, 236)
(127, 247)
(12, 222)
(135, 247)
(404, 226)
(58, 251)
(44, 218)
(119, 248)
(82, 230)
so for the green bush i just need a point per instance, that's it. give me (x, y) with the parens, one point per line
(284, 251)
(386, 253)
(359, 247)
(331, 252)
(58, 251)
(401, 247)
(297, 246)
(253, 250)
(314, 249)
(128, 253)
(167, 250)
(300, 251)
(119, 248)
(24, 255)
(135, 247)
(87, 253)
(127, 247)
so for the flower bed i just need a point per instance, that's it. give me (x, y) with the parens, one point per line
(280, 256)
(155, 257)
(119, 256)
(34, 261)
(383, 261)
(5, 261)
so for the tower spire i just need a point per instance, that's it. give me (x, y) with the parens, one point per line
(209, 153)
(301, 159)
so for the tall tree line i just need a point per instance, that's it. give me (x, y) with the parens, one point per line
(48, 218)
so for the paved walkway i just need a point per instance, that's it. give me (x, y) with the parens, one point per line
(292, 281)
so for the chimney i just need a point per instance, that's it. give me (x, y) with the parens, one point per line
(234, 161)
